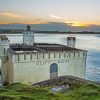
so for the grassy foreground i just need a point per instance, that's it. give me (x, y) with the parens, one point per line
(25, 92)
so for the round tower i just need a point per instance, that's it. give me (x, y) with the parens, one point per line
(71, 41)
(4, 45)
(28, 36)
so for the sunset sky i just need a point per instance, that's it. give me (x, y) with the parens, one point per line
(72, 12)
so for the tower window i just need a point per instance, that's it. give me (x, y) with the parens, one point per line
(4, 50)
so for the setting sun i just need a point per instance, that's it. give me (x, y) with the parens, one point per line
(73, 23)
(79, 24)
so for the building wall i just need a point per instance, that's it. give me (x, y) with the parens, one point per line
(35, 67)
(7, 69)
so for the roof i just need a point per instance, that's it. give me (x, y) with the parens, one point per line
(43, 47)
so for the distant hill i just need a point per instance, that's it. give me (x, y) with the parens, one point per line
(53, 26)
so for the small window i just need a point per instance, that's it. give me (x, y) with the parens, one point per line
(78, 54)
(18, 57)
(49, 55)
(31, 56)
(37, 56)
(64, 54)
(59, 54)
(74, 53)
(54, 55)
(43, 55)
(69, 55)
(4, 50)
(83, 53)
(24, 56)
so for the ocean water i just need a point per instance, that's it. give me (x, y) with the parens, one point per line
(93, 66)
(91, 43)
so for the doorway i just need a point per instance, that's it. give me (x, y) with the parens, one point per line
(53, 71)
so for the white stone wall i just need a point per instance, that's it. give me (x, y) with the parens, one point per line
(35, 67)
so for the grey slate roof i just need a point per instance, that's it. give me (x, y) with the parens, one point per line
(43, 47)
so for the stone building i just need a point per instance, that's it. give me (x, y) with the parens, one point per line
(35, 62)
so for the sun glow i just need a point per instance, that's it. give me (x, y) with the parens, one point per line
(77, 24)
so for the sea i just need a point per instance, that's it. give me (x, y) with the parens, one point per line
(89, 42)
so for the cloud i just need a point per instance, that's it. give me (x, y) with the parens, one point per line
(16, 18)
(55, 17)
(13, 15)
(65, 20)
(36, 21)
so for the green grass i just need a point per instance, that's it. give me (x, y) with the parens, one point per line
(83, 92)
(24, 92)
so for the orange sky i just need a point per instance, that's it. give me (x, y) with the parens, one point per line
(76, 12)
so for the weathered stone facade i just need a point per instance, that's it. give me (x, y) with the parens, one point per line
(31, 67)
